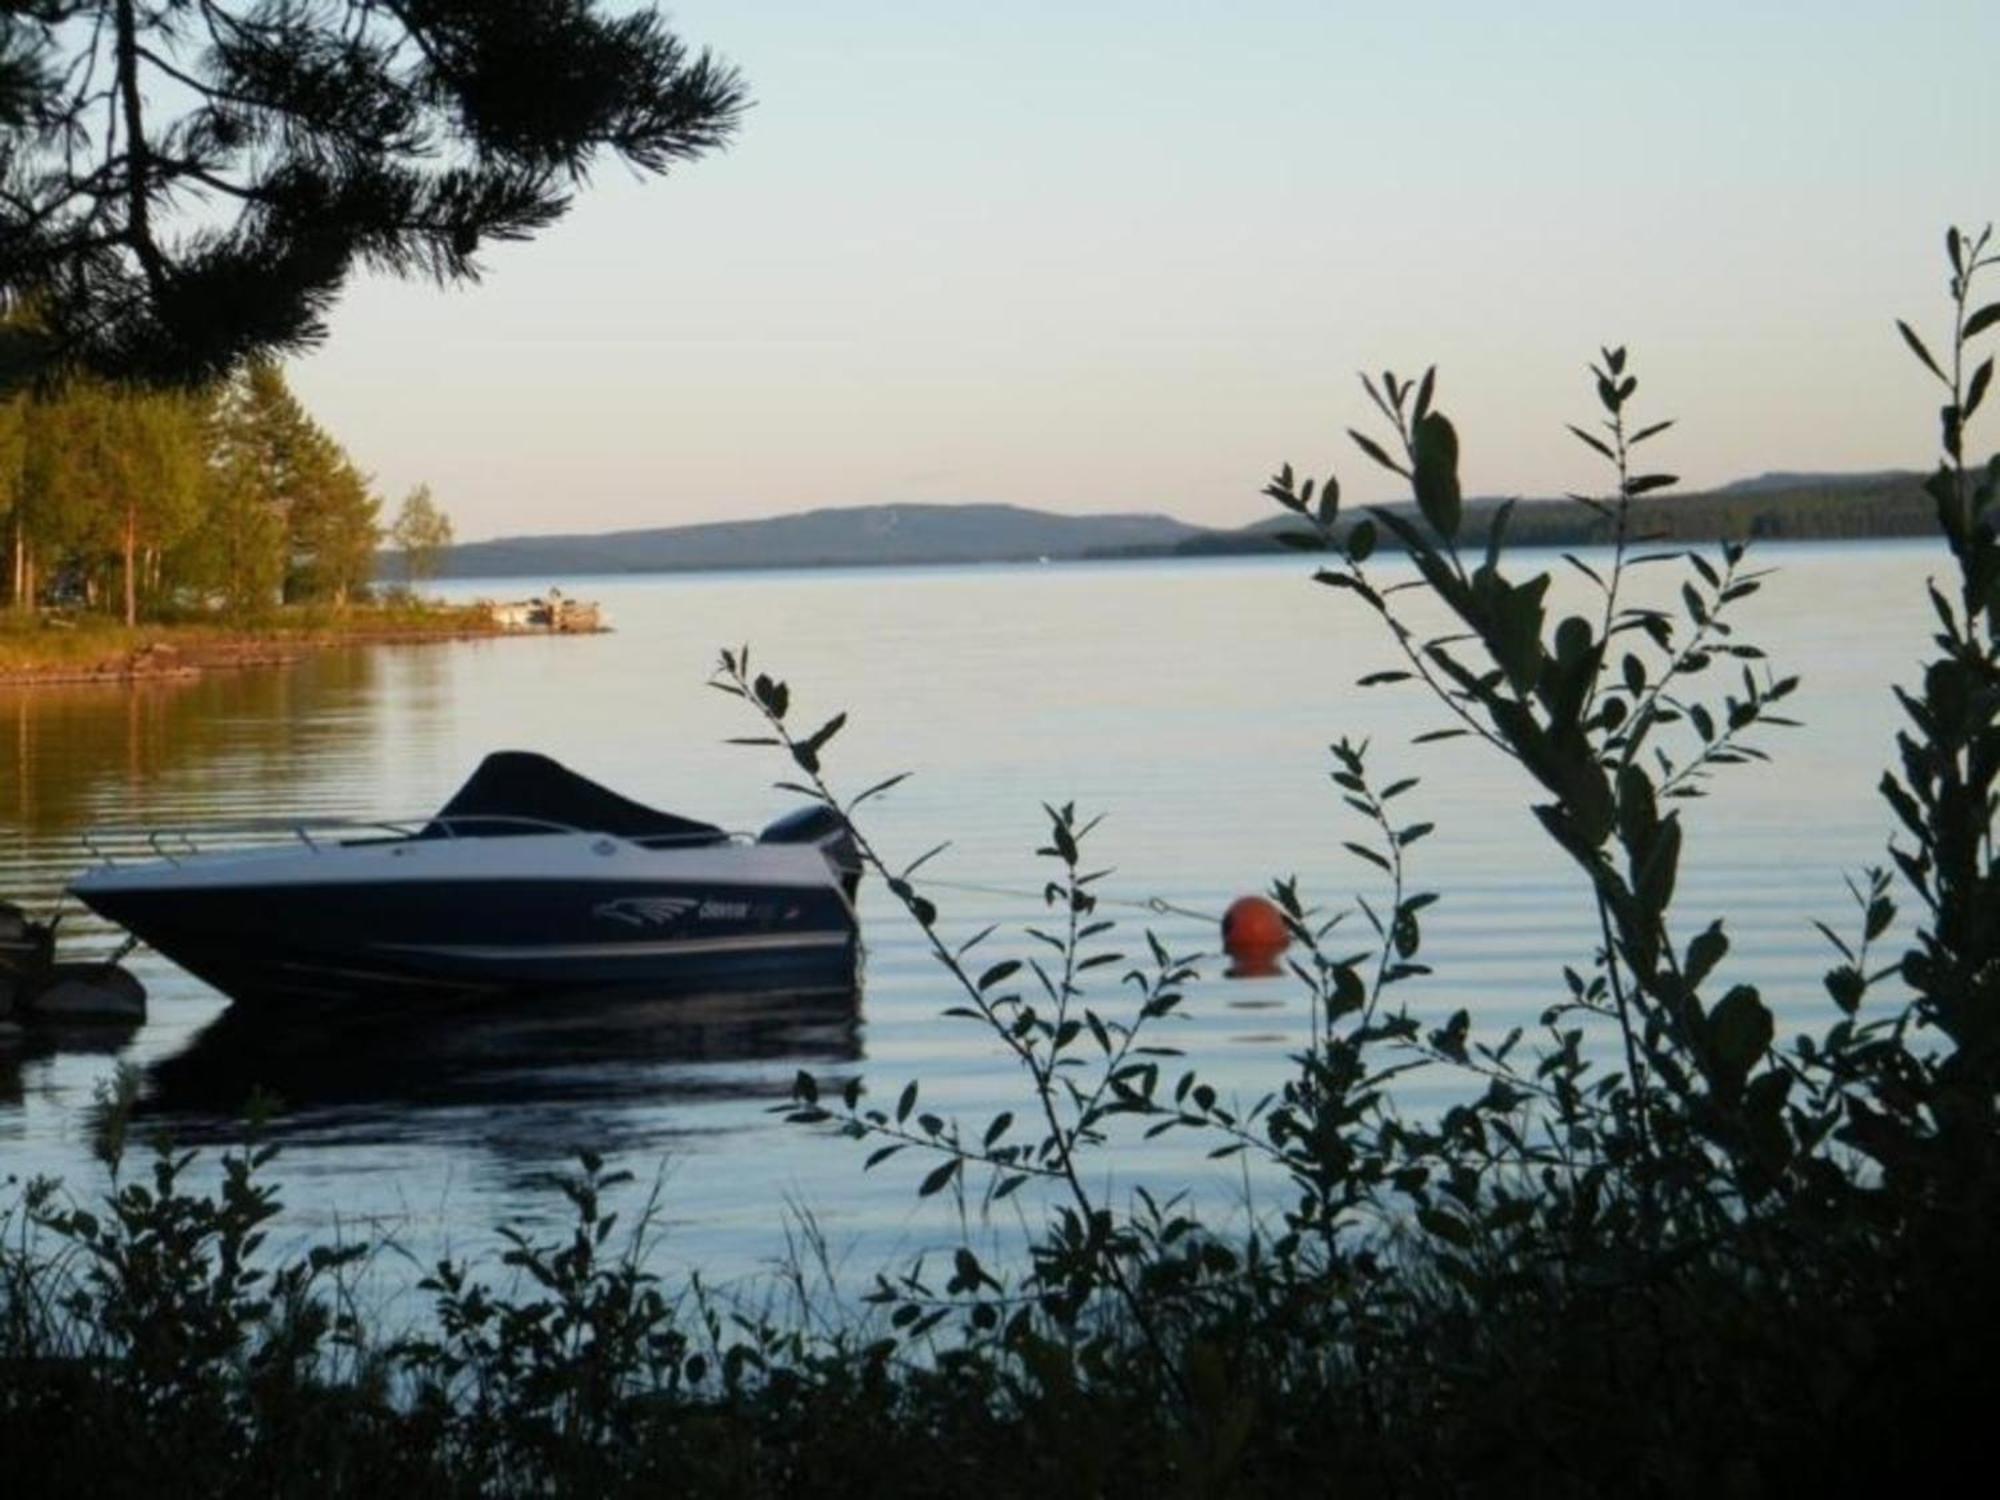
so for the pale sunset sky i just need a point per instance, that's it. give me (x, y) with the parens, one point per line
(1106, 255)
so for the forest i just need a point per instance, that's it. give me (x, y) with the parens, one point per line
(224, 501)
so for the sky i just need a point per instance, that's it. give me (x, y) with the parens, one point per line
(1111, 256)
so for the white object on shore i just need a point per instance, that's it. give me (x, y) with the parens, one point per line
(555, 613)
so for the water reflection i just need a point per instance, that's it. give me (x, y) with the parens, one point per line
(1123, 687)
(83, 753)
(396, 1078)
(22, 1045)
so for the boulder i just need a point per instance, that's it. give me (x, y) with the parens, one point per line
(26, 947)
(95, 992)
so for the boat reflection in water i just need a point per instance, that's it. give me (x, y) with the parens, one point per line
(23, 1046)
(625, 1067)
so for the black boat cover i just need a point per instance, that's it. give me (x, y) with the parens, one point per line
(522, 784)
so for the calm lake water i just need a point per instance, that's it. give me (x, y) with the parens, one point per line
(1190, 704)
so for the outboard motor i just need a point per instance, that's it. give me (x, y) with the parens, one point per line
(828, 831)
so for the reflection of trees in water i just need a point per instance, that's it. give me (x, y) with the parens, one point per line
(531, 1083)
(79, 753)
(579, 1069)
(227, 744)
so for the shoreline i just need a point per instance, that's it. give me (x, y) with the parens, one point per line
(110, 655)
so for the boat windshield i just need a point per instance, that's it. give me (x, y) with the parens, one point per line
(515, 785)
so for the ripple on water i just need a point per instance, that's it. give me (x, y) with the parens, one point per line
(1190, 704)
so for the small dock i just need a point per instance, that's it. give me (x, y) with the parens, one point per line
(553, 613)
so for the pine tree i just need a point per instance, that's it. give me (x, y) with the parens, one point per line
(334, 531)
(189, 183)
(109, 477)
(153, 465)
(237, 554)
(13, 509)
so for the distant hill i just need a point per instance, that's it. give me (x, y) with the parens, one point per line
(1790, 507)
(863, 535)
(1774, 505)
(1779, 480)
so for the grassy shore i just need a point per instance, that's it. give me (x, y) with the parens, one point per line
(38, 648)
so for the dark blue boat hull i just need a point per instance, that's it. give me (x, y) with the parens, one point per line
(420, 943)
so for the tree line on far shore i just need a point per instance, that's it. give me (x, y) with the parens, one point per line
(1805, 507)
(228, 500)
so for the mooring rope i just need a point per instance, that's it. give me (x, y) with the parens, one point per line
(1158, 905)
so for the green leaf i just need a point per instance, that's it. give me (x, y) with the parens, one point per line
(939, 1178)
(1654, 885)
(1336, 580)
(879, 788)
(1982, 320)
(1360, 541)
(1374, 450)
(818, 738)
(1596, 443)
(1447, 1227)
(1917, 348)
(1368, 854)
(1329, 501)
(1435, 443)
(1704, 953)
(997, 973)
(1496, 533)
(773, 696)
(1739, 1032)
(1845, 984)
(1976, 391)
(1584, 568)
(1425, 388)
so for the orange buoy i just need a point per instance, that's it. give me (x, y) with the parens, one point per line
(1254, 933)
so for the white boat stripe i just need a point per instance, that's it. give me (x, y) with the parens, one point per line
(751, 943)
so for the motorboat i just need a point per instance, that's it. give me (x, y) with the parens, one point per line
(530, 881)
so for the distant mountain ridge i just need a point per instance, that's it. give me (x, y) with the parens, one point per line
(1772, 505)
(856, 536)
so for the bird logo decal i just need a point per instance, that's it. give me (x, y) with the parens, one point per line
(646, 911)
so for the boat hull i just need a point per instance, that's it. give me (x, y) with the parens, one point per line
(425, 922)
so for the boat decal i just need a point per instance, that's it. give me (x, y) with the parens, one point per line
(664, 911)
(646, 911)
